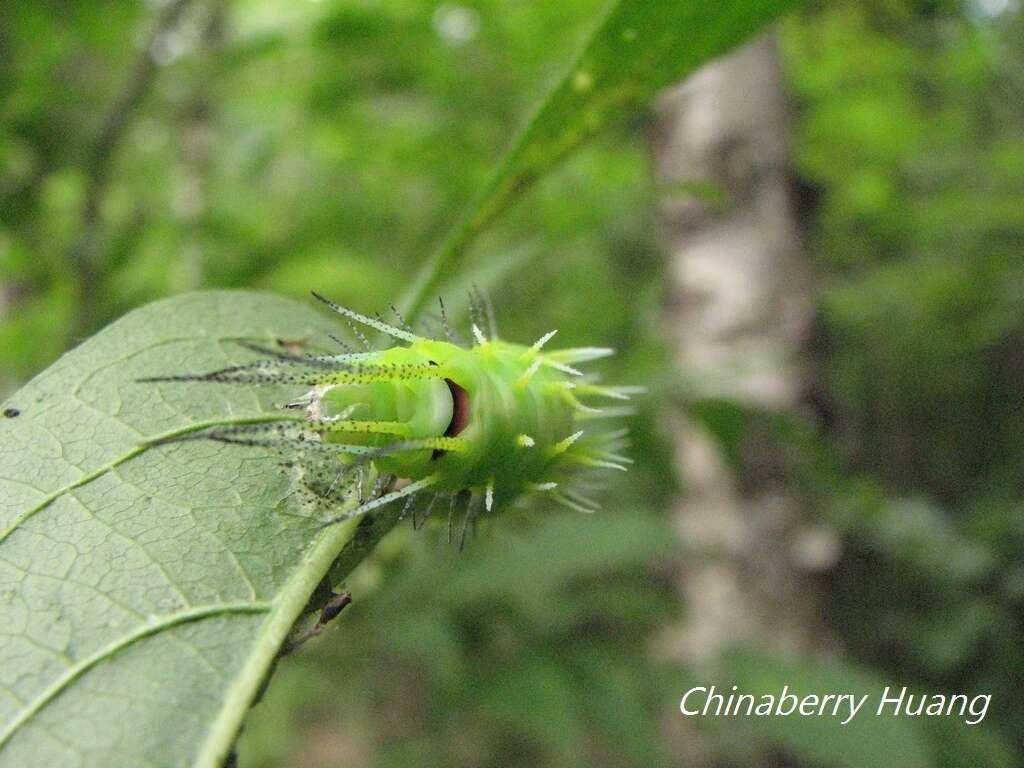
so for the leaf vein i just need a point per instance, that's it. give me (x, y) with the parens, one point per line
(140, 633)
(131, 454)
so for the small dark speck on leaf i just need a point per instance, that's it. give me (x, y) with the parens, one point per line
(10, 413)
(334, 606)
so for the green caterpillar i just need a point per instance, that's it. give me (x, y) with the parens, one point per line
(495, 419)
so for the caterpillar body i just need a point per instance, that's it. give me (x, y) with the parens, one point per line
(495, 419)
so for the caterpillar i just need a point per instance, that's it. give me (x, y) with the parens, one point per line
(491, 421)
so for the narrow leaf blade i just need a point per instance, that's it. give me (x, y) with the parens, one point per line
(640, 47)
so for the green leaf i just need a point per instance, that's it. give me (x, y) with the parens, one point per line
(640, 47)
(866, 741)
(145, 590)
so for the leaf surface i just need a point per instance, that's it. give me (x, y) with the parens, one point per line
(145, 591)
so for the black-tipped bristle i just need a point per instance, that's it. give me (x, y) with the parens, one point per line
(360, 335)
(345, 346)
(426, 512)
(163, 379)
(451, 514)
(316, 361)
(405, 510)
(476, 312)
(401, 320)
(449, 332)
(487, 309)
(472, 510)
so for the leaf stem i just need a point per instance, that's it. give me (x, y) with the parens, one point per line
(335, 555)
(510, 178)
(287, 608)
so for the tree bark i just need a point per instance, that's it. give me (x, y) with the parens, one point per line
(738, 314)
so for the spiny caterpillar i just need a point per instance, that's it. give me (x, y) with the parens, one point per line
(488, 422)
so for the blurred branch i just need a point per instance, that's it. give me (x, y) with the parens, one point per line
(197, 143)
(82, 256)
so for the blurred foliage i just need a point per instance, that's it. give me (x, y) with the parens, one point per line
(524, 650)
(864, 742)
(638, 49)
(910, 141)
(286, 145)
(912, 136)
(329, 145)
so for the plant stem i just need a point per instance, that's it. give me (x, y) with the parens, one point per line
(82, 256)
(335, 555)
(516, 173)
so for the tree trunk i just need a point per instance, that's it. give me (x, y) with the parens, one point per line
(738, 314)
